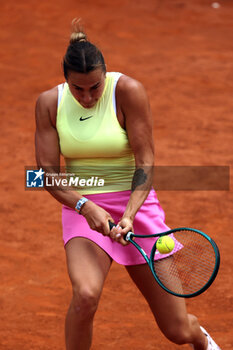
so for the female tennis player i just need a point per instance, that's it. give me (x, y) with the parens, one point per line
(101, 123)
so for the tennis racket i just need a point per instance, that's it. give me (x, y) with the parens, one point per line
(189, 269)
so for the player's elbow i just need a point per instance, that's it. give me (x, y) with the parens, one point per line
(145, 157)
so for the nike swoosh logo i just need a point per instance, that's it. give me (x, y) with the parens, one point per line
(85, 118)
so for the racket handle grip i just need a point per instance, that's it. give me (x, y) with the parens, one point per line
(111, 225)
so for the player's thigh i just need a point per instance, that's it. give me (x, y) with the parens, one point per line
(167, 309)
(87, 265)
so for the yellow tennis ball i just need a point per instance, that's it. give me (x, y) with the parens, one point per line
(165, 244)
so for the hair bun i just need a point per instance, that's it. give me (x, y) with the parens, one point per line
(78, 36)
(77, 31)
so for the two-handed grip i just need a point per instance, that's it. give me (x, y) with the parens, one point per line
(126, 236)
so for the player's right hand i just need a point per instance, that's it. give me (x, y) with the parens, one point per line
(97, 218)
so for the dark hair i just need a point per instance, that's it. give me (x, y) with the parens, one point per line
(81, 56)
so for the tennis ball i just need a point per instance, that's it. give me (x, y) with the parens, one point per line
(165, 244)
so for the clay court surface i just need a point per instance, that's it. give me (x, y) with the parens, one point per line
(182, 52)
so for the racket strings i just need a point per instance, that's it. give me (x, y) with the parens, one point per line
(191, 266)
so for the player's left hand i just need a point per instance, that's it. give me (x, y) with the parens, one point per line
(121, 229)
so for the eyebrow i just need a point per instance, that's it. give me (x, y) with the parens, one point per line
(95, 85)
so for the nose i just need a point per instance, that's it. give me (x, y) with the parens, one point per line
(86, 97)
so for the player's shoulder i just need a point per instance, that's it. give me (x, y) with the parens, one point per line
(48, 98)
(46, 105)
(126, 83)
(130, 89)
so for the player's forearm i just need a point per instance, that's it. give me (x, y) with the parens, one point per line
(65, 196)
(141, 186)
(62, 193)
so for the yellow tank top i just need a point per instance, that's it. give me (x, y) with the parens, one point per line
(95, 147)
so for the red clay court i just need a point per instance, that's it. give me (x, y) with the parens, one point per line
(182, 51)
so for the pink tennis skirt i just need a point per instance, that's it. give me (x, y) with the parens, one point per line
(148, 220)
